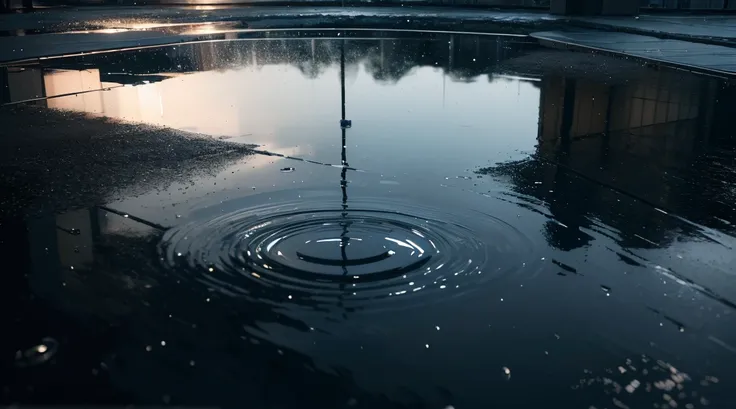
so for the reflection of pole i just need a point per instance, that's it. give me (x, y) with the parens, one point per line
(344, 239)
(344, 124)
(342, 82)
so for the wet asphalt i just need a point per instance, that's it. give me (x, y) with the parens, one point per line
(502, 225)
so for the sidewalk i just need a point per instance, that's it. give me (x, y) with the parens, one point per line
(76, 30)
(697, 57)
(88, 18)
(710, 29)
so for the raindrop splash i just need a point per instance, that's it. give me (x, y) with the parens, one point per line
(310, 253)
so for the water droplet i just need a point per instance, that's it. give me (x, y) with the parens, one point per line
(178, 216)
(163, 343)
(438, 327)
(37, 354)
(191, 363)
(149, 348)
(426, 346)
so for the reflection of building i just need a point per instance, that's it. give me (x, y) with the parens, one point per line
(67, 258)
(631, 134)
(577, 108)
(19, 84)
(65, 240)
(651, 140)
(60, 82)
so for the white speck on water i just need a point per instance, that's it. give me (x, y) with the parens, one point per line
(191, 363)
(507, 372)
(290, 296)
(438, 327)
(427, 346)
(149, 348)
(163, 343)
(208, 300)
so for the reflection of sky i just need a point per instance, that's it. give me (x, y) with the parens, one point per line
(425, 117)
(424, 124)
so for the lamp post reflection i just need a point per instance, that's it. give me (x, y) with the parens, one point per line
(344, 124)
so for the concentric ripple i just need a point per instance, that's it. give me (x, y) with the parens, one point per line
(312, 255)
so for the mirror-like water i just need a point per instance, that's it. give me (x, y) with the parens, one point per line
(499, 225)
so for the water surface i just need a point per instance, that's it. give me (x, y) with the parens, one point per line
(502, 226)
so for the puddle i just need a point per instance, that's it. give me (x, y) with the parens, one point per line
(403, 219)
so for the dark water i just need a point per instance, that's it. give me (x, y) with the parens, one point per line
(502, 226)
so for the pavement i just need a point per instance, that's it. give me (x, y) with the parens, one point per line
(71, 18)
(714, 29)
(696, 57)
(76, 30)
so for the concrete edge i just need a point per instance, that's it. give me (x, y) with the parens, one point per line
(653, 33)
(428, 16)
(655, 62)
(222, 37)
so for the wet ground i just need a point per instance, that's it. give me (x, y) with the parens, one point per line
(502, 225)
